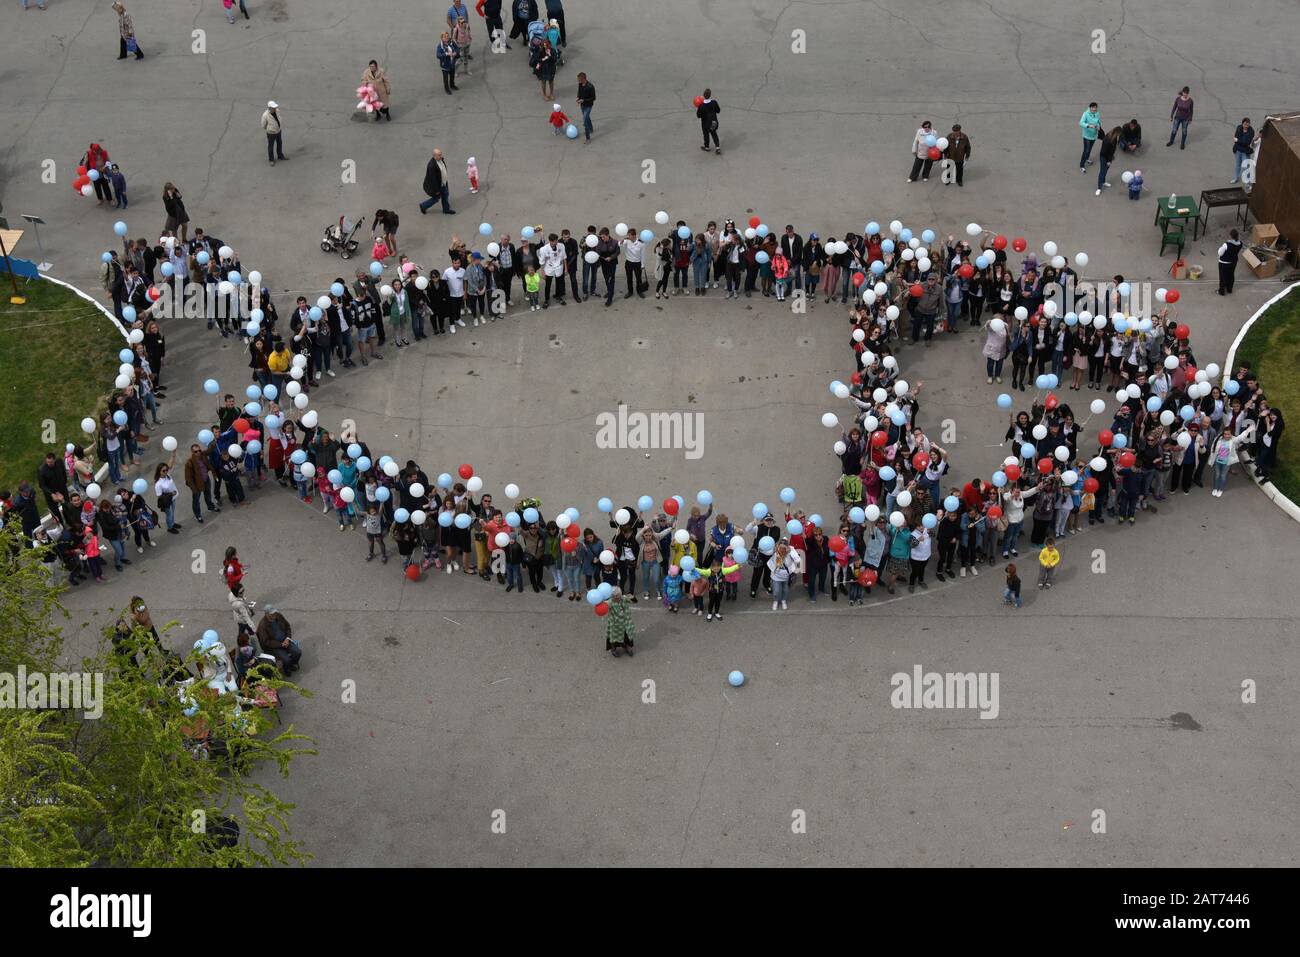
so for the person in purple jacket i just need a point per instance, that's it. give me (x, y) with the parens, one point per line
(1181, 115)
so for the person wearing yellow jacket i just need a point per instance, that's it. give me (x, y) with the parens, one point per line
(278, 362)
(1048, 559)
(716, 574)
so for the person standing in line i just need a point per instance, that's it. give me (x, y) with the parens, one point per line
(1109, 145)
(959, 150)
(448, 53)
(792, 246)
(708, 111)
(551, 258)
(127, 42)
(1243, 146)
(522, 13)
(437, 184)
(633, 259)
(607, 250)
(274, 131)
(1090, 125)
(921, 162)
(586, 97)
(1181, 115)
(376, 77)
(1228, 254)
(571, 253)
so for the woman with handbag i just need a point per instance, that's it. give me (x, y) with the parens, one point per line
(164, 486)
(126, 34)
(142, 519)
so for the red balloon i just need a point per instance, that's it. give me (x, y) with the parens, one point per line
(994, 511)
(1013, 472)
(1033, 321)
(858, 278)
(836, 543)
(413, 572)
(920, 460)
(1173, 295)
(466, 471)
(241, 425)
(856, 378)
(965, 270)
(1127, 459)
(568, 544)
(916, 290)
(934, 153)
(572, 531)
(1045, 466)
(1181, 330)
(754, 221)
(879, 439)
(999, 242)
(154, 293)
(670, 506)
(1051, 402)
(81, 171)
(602, 609)
(699, 101)
(867, 577)
(1105, 437)
(1019, 244)
(1090, 485)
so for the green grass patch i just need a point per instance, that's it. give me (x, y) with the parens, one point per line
(1272, 347)
(58, 362)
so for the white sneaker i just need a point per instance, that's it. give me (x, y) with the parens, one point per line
(963, 571)
(975, 571)
(330, 373)
(784, 606)
(998, 379)
(709, 617)
(1098, 193)
(461, 322)
(989, 380)
(775, 604)
(318, 377)
(453, 328)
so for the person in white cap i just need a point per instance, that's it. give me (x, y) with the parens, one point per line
(272, 128)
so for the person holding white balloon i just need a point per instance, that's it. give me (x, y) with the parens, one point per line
(922, 143)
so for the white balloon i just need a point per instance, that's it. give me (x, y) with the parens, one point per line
(909, 254)
(1062, 453)
(1099, 322)
(494, 249)
(225, 252)
(1201, 375)
(592, 240)
(1069, 476)
(879, 395)
(1171, 362)
(620, 230)
(421, 282)
(869, 296)
(591, 256)
(1212, 370)
(502, 539)
(391, 469)
(563, 521)
(661, 217)
(1184, 440)
(895, 227)
(897, 520)
(972, 229)
(1167, 418)
(830, 420)
(1010, 460)
(88, 425)
(1058, 262)
(839, 447)
(871, 423)
(300, 401)
(255, 278)
(169, 443)
(126, 369)
(122, 381)
(296, 373)
(901, 387)
(1021, 313)
(889, 362)
(323, 302)
(607, 557)
(904, 498)
(1121, 396)
(881, 288)
(512, 491)
(622, 516)
(923, 265)
(914, 244)
(841, 390)
(997, 325)
(1081, 259)
(225, 287)
(1040, 431)
(1134, 390)
(417, 490)
(873, 512)
(418, 517)
(1049, 248)
(1098, 464)
(891, 313)
(868, 357)
(235, 450)
(750, 234)
(1097, 406)
(347, 494)
(310, 419)
(299, 361)
(858, 336)
(135, 336)
(737, 541)
(1161, 293)
(308, 470)
(474, 484)
(1049, 309)
(941, 142)
(681, 536)
(93, 491)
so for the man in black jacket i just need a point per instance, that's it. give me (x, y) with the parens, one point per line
(522, 13)
(52, 478)
(436, 184)
(24, 504)
(571, 253)
(792, 247)
(708, 111)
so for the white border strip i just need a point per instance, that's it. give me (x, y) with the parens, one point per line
(1270, 490)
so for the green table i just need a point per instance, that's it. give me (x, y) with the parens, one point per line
(1185, 208)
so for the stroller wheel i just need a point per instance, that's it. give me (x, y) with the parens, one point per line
(326, 246)
(346, 253)
(353, 245)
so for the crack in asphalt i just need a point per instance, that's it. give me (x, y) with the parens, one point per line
(699, 796)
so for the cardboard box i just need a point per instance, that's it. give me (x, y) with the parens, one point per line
(1263, 234)
(1179, 270)
(1261, 266)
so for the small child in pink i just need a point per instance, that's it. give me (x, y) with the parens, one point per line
(471, 170)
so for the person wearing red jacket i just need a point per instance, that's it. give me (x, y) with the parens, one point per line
(232, 570)
(972, 495)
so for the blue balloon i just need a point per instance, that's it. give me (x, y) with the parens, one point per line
(139, 486)
(929, 520)
(645, 503)
(270, 391)
(1144, 325)
(931, 140)
(999, 478)
(119, 227)
(401, 515)
(877, 267)
(108, 257)
(128, 314)
(794, 526)
(253, 392)
(686, 563)
(1071, 319)
(512, 519)
(298, 457)
(981, 262)
(704, 497)
(593, 597)
(1153, 404)
(1186, 412)
(335, 477)
(571, 131)
(1123, 289)
(336, 288)
(315, 313)
(1004, 401)
(463, 520)
(815, 519)
(605, 590)
(951, 503)
(759, 510)
(1040, 382)
(274, 421)
(887, 246)
(252, 408)
(647, 235)
(1052, 380)
(761, 230)
(740, 555)
(856, 515)
(1121, 324)
(1120, 441)
(1233, 387)
(531, 515)
(761, 257)
(126, 355)
(572, 513)
(927, 236)
(167, 270)
(684, 232)
(528, 232)
(119, 417)
(681, 502)
(736, 679)
(202, 258)
(787, 495)
(1027, 451)
(253, 447)
(605, 505)
(444, 519)
(887, 474)
(253, 328)
(92, 175)
(485, 229)
(355, 451)
(905, 236)
(384, 460)
(872, 228)
(382, 494)
(234, 277)
(897, 417)
(376, 268)
(767, 544)
(444, 480)
(208, 638)
(205, 438)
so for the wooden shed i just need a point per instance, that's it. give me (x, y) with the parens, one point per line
(1275, 197)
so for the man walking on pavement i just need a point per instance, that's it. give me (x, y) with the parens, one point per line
(958, 150)
(437, 185)
(586, 99)
(272, 127)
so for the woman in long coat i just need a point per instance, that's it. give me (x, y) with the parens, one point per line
(618, 625)
(376, 77)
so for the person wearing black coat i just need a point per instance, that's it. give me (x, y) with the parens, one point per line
(436, 185)
(792, 246)
(52, 477)
(522, 13)
(708, 111)
(24, 503)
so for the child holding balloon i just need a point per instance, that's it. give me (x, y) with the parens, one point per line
(673, 588)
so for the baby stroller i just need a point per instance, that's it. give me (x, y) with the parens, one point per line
(339, 237)
(536, 34)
